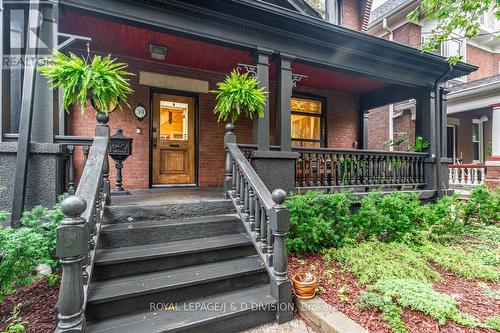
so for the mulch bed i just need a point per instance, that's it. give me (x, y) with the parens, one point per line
(39, 300)
(470, 298)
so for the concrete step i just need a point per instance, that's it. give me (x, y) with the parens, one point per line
(228, 312)
(135, 293)
(161, 211)
(123, 261)
(161, 231)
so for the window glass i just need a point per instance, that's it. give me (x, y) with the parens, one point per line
(306, 122)
(173, 121)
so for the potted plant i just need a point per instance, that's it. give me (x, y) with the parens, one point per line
(237, 94)
(304, 285)
(102, 81)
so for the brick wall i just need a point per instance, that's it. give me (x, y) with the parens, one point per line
(409, 34)
(342, 124)
(487, 62)
(351, 17)
(378, 128)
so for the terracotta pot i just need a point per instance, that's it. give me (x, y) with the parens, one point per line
(304, 289)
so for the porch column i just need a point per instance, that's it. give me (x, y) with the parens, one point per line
(425, 127)
(43, 116)
(284, 86)
(261, 125)
(277, 168)
(493, 164)
(1, 70)
(442, 131)
(363, 129)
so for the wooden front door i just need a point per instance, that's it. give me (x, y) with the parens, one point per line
(173, 140)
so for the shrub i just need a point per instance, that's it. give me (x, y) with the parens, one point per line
(493, 322)
(318, 221)
(372, 261)
(387, 217)
(391, 312)
(420, 296)
(483, 206)
(26, 247)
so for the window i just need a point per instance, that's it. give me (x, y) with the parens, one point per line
(477, 141)
(307, 130)
(173, 121)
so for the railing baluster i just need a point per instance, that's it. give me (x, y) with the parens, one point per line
(263, 230)
(242, 190)
(246, 201)
(325, 169)
(257, 209)
(85, 150)
(303, 157)
(318, 169)
(251, 208)
(71, 169)
(270, 241)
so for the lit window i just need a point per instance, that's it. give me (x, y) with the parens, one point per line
(306, 122)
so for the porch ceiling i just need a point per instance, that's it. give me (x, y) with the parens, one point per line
(125, 40)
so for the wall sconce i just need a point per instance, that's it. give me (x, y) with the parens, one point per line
(158, 52)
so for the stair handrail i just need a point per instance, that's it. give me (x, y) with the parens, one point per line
(78, 234)
(265, 219)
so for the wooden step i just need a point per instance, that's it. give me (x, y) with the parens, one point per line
(135, 293)
(229, 312)
(162, 231)
(123, 261)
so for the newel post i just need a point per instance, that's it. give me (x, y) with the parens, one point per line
(71, 249)
(281, 286)
(229, 137)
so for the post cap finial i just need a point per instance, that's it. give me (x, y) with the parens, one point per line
(73, 206)
(279, 196)
(229, 127)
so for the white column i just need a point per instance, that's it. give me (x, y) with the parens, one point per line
(495, 133)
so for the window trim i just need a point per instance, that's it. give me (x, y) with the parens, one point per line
(323, 141)
(480, 142)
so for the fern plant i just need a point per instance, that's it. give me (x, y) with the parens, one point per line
(239, 93)
(420, 145)
(102, 81)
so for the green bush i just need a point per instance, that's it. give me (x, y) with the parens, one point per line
(373, 260)
(318, 221)
(392, 313)
(26, 247)
(493, 322)
(483, 206)
(386, 217)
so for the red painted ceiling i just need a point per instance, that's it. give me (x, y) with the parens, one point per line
(126, 40)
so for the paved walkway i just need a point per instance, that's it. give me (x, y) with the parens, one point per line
(294, 326)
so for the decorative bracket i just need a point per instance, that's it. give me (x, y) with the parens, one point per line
(251, 69)
(297, 78)
(70, 39)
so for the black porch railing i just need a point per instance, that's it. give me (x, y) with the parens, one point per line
(78, 233)
(265, 219)
(349, 168)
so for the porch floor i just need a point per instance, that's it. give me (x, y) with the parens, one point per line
(168, 196)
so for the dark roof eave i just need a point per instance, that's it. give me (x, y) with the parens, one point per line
(460, 69)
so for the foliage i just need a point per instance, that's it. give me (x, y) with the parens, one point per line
(386, 217)
(458, 261)
(239, 93)
(3, 215)
(483, 206)
(16, 324)
(483, 242)
(318, 221)
(422, 297)
(493, 322)
(395, 143)
(103, 80)
(373, 260)
(391, 312)
(26, 247)
(420, 144)
(460, 17)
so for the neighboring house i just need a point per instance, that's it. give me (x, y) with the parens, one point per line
(322, 77)
(471, 99)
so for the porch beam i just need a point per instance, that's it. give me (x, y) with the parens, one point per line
(319, 43)
(386, 95)
(261, 125)
(284, 85)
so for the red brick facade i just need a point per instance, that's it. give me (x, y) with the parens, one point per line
(342, 125)
(486, 61)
